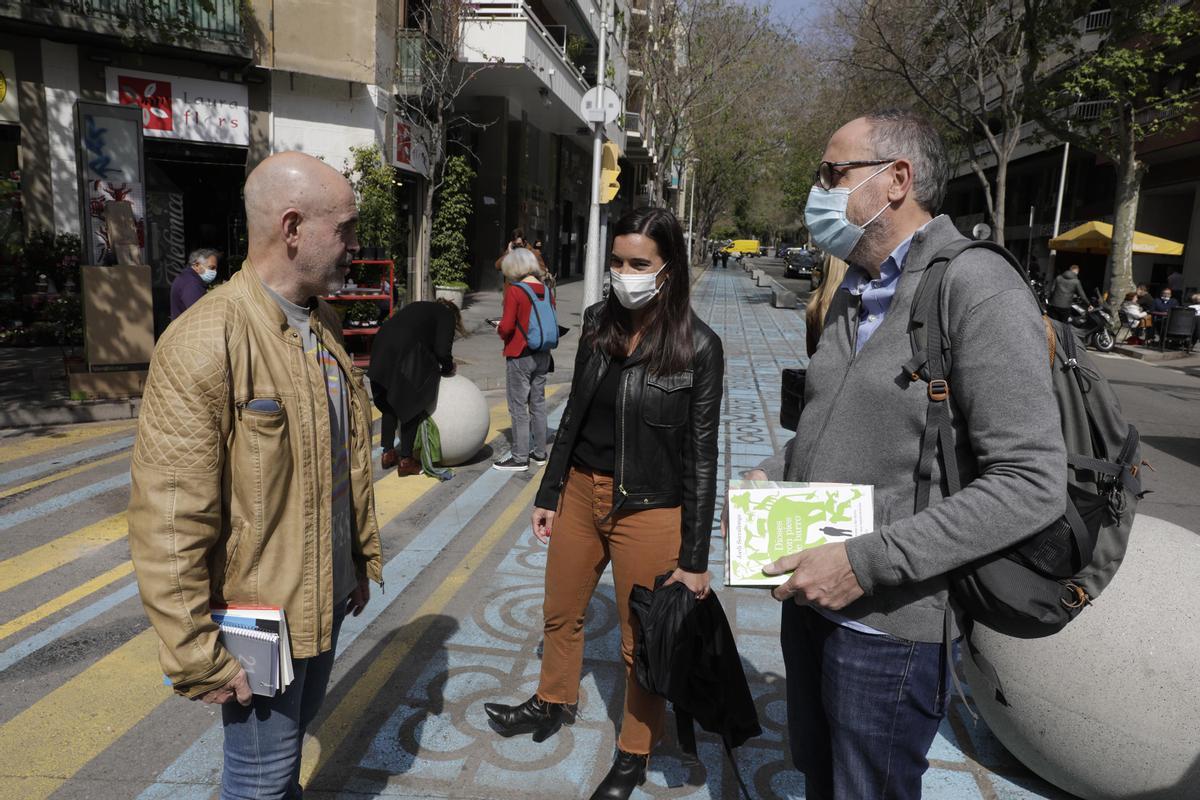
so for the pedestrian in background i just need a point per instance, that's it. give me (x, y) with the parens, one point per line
(1138, 318)
(724, 259)
(525, 369)
(833, 273)
(1194, 302)
(1165, 302)
(716, 258)
(1175, 282)
(631, 479)
(193, 280)
(1067, 289)
(1145, 299)
(410, 355)
(251, 475)
(863, 620)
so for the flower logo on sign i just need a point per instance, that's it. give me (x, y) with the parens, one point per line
(154, 97)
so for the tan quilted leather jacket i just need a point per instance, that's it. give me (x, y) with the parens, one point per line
(233, 505)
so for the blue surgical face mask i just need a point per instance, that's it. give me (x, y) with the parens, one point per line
(208, 276)
(825, 216)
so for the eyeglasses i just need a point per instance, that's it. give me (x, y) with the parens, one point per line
(824, 176)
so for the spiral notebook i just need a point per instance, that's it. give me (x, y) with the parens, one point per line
(257, 636)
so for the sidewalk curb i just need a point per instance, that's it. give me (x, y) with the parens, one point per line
(70, 413)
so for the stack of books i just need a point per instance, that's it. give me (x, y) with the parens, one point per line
(769, 520)
(257, 636)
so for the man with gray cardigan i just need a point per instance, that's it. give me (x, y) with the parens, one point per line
(862, 625)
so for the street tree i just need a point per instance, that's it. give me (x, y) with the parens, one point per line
(430, 78)
(968, 62)
(700, 59)
(1131, 89)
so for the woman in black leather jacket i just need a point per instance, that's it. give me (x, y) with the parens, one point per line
(631, 479)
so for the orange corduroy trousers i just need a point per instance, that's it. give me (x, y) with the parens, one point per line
(641, 545)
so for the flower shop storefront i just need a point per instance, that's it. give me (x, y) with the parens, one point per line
(195, 138)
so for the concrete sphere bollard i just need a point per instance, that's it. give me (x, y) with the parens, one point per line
(1107, 708)
(462, 416)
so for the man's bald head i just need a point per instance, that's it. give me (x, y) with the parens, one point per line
(289, 180)
(300, 217)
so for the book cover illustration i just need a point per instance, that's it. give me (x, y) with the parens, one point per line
(770, 520)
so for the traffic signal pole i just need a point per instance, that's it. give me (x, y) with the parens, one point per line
(592, 275)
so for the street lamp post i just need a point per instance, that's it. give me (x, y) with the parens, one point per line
(691, 209)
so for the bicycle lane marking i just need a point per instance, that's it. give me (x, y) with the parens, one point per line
(73, 546)
(36, 445)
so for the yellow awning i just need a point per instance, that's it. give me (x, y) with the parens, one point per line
(1096, 237)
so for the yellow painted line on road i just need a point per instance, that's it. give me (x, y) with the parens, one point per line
(63, 600)
(60, 437)
(58, 476)
(63, 550)
(362, 695)
(54, 738)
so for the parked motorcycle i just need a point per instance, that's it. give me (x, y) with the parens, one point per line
(1094, 326)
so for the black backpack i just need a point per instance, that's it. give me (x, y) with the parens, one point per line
(1038, 585)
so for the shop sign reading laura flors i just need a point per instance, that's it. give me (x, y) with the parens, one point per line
(174, 107)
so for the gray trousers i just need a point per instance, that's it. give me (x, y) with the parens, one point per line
(526, 385)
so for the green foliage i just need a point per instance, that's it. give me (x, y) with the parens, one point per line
(374, 185)
(448, 243)
(1144, 87)
(56, 257)
(576, 47)
(64, 318)
(362, 311)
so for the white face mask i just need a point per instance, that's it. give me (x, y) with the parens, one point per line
(635, 291)
(209, 275)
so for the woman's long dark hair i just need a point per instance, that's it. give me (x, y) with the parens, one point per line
(667, 340)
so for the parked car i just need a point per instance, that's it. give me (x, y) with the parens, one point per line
(799, 263)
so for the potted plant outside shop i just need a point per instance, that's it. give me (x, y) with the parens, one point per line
(374, 185)
(362, 314)
(449, 263)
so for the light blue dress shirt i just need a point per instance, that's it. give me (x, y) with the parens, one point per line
(876, 293)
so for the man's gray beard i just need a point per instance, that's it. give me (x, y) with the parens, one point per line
(864, 253)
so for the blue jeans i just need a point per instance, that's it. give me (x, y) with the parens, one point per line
(862, 709)
(263, 740)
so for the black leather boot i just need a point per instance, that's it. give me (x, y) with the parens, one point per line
(628, 772)
(534, 715)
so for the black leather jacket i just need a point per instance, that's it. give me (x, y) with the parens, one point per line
(666, 438)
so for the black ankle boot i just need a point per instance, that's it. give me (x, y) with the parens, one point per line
(627, 773)
(535, 715)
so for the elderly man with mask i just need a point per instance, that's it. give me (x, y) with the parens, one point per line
(863, 620)
(252, 471)
(193, 280)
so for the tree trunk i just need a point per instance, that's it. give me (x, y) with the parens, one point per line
(1130, 172)
(999, 198)
(422, 289)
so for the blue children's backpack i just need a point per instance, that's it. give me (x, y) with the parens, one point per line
(542, 335)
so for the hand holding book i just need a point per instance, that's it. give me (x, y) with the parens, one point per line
(237, 689)
(821, 577)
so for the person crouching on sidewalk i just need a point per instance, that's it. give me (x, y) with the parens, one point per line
(631, 478)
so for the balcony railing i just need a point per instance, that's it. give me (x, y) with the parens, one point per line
(1089, 110)
(489, 10)
(1097, 21)
(633, 124)
(172, 19)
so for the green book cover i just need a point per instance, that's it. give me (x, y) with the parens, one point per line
(770, 520)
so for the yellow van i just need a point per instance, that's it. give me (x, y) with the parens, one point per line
(742, 247)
